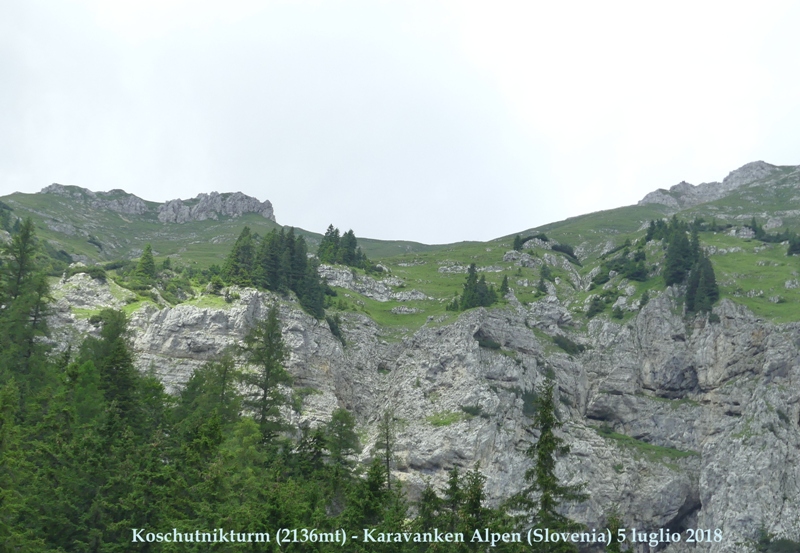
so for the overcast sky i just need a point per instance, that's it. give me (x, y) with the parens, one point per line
(428, 121)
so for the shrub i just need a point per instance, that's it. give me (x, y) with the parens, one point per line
(596, 306)
(568, 345)
(334, 324)
(488, 343)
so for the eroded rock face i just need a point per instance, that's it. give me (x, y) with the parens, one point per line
(686, 195)
(712, 408)
(203, 207)
(380, 290)
(212, 206)
(116, 200)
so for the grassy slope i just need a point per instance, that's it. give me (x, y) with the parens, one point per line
(757, 272)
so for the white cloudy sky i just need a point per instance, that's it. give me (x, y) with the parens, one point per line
(429, 121)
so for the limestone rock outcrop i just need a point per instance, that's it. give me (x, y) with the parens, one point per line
(212, 206)
(676, 424)
(686, 195)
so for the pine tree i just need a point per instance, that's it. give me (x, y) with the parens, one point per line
(518, 243)
(469, 297)
(342, 439)
(264, 350)
(311, 292)
(146, 268)
(238, 267)
(543, 493)
(347, 248)
(701, 289)
(386, 442)
(24, 293)
(328, 249)
(504, 289)
(678, 260)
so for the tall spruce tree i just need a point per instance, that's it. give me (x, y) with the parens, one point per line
(238, 267)
(543, 493)
(146, 268)
(328, 250)
(678, 259)
(265, 351)
(24, 293)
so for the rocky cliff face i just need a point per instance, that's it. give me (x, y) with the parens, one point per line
(684, 195)
(201, 208)
(677, 425)
(117, 201)
(212, 206)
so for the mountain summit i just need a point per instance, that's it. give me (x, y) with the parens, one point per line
(200, 208)
(684, 195)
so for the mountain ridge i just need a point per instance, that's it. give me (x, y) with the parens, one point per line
(200, 208)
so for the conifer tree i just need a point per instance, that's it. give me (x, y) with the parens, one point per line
(24, 293)
(678, 259)
(328, 250)
(264, 350)
(342, 439)
(469, 297)
(386, 442)
(238, 267)
(543, 493)
(347, 248)
(312, 292)
(504, 289)
(146, 268)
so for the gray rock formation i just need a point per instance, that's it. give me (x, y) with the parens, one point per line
(203, 207)
(684, 195)
(380, 290)
(116, 200)
(677, 424)
(212, 206)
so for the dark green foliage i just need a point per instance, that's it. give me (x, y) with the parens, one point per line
(91, 448)
(265, 394)
(5, 217)
(794, 246)
(334, 323)
(596, 306)
(146, 268)
(476, 292)
(488, 343)
(678, 260)
(343, 249)
(601, 278)
(543, 494)
(329, 246)
(281, 265)
(95, 271)
(617, 313)
(504, 289)
(625, 245)
(766, 543)
(565, 249)
(701, 290)
(614, 524)
(238, 267)
(24, 293)
(519, 241)
(342, 440)
(568, 345)
(453, 305)
(541, 287)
